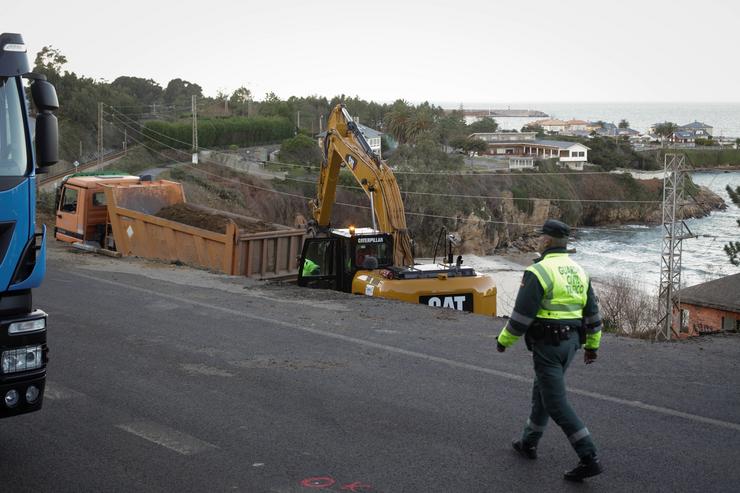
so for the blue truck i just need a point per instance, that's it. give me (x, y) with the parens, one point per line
(26, 147)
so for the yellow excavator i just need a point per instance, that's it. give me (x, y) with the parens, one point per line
(378, 261)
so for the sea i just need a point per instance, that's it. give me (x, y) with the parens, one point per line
(724, 117)
(634, 251)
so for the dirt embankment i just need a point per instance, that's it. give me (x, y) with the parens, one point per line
(211, 220)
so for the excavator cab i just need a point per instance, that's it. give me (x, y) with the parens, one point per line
(331, 262)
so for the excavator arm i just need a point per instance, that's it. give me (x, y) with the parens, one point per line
(345, 145)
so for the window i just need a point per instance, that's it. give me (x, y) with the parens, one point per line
(13, 159)
(69, 200)
(98, 199)
(318, 260)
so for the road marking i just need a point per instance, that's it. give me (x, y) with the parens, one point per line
(201, 369)
(57, 392)
(414, 354)
(167, 437)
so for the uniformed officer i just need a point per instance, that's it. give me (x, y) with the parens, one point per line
(557, 311)
(310, 268)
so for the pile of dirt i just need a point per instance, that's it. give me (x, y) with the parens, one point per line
(210, 220)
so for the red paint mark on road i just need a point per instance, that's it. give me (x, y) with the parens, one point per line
(355, 487)
(318, 482)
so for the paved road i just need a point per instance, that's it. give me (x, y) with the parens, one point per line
(169, 379)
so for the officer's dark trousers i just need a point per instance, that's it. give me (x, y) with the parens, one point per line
(549, 399)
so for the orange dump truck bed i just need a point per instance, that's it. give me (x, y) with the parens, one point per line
(122, 213)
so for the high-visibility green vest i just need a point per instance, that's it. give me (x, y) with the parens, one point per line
(565, 284)
(309, 266)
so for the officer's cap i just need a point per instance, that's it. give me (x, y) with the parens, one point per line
(555, 228)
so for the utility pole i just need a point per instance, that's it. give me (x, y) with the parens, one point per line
(80, 154)
(298, 120)
(100, 133)
(674, 232)
(194, 109)
(125, 141)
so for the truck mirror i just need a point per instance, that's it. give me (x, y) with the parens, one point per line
(44, 96)
(47, 139)
(47, 128)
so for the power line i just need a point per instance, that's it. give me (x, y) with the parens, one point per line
(494, 197)
(468, 173)
(456, 218)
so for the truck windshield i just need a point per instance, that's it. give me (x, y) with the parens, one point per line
(13, 158)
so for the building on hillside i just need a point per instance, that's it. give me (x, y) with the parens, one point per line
(710, 307)
(687, 134)
(566, 127)
(593, 126)
(551, 125)
(699, 129)
(576, 125)
(525, 144)
(372, 136)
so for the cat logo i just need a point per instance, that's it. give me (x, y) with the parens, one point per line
(461, 302)
(351, 161)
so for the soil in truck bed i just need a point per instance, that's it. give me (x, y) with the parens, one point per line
(192, 216)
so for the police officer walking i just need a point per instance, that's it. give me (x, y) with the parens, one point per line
(557, 312)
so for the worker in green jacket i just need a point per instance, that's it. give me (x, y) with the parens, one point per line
(557, 312)
(310, 268)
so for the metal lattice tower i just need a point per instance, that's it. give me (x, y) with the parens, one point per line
(674, 232)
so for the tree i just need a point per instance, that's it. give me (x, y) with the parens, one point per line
(240, 96)
(180, 91)
(484, 125)
(145, 91)
(534, 127)
(624, 123)
(49, 61)
(732, 249)
(450, 127)
(398, 120)
(475, 146)
(300, 149)
(666, 129)
(458, 143)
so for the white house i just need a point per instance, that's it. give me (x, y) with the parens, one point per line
(571, 154)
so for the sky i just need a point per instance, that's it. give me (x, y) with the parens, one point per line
(444, 52)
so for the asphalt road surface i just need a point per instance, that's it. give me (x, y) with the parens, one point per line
(164, 378)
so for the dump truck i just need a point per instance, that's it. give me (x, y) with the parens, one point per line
(125, 214)
(378, 260)
(23, 154)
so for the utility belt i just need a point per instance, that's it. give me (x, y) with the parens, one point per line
(552, 334)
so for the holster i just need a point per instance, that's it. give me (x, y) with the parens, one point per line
(582, 335)
(535, 333)
(550, 334)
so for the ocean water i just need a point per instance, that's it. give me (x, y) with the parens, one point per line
(724, 117)
(635, 250)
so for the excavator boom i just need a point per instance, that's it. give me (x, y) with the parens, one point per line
(345, 145)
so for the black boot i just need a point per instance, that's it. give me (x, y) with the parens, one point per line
(585, 469)
(528, 451)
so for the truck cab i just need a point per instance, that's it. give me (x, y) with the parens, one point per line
(23, 349)
(81, 212)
